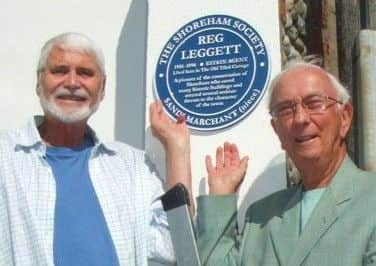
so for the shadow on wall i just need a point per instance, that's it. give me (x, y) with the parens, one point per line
(130, 77)
(271, 180)
(156, 152)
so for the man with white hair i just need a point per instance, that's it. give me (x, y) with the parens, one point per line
(66, 197)
(327, 220)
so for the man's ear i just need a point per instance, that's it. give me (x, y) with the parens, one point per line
(346, 116)
(103, 87)
(37, 88)
(273, 122)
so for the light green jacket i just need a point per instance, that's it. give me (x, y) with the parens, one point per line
(340, 231)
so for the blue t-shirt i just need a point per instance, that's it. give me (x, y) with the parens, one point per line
(81, 236)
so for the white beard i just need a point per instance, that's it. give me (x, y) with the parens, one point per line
(72, 116)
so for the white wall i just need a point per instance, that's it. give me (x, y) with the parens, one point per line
(119, 27)
(254, 134)
(26, 25)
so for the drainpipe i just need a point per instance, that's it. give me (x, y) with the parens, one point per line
(365, 98)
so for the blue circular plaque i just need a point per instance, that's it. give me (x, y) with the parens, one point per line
(214, 70)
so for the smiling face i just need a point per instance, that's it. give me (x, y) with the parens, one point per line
(71, 85)
(310, 137)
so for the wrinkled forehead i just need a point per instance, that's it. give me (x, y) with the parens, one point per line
(63, 55)
(300, 82)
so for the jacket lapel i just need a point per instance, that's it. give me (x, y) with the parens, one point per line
(326, 212)
(322, 217)
(284, 229)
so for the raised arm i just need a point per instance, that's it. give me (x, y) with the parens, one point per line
(228, 172)
(218, 241)
(175, 138)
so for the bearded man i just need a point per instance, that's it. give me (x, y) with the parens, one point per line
(66, 197)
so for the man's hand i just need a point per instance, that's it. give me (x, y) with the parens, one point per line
(172, 135)
(228, 172)
(175, 138)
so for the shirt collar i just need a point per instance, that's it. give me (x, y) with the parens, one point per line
(29, 137)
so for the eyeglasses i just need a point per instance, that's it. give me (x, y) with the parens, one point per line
(313, 104)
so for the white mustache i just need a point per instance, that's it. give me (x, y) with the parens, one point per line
(63, 92)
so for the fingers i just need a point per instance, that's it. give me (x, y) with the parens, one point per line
(219, 157)
(242, 168)
(156, 106)
(227, 154)
(157, 113)
(155, 110)
(209, 164)
(229, 170)
(235, 158)
(244, 163)
(180, 119)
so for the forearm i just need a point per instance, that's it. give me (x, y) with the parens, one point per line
(179, 170)
(160, 248)
(6, 255)
(217, 237)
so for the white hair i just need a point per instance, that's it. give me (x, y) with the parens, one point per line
(312, 62)
(72, 41)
